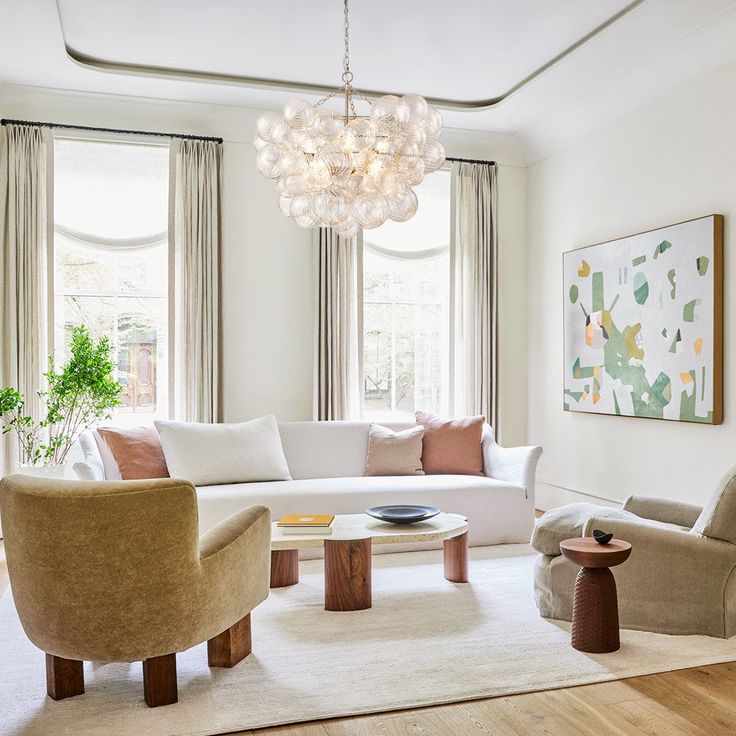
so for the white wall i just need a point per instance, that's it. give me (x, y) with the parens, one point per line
(267, 259)
(669, 162)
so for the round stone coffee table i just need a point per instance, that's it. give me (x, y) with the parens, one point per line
(348, 554)
(595, 605)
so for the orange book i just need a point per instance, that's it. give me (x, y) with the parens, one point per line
(308, 521)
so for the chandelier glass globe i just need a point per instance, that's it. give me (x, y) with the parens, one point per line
(346, 171)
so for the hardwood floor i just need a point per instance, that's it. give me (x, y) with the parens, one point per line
(700, 701)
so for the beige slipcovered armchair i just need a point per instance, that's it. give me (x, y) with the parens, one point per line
(680, 576)
(116, 571)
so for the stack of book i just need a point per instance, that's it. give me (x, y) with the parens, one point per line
(303, 524)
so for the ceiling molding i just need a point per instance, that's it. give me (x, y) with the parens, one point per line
(189, 75)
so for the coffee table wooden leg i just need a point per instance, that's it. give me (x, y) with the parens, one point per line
(595, 611)
(456, 559)
(348, 574)
(284, 567)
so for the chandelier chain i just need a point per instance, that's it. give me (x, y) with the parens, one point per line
(346, 56)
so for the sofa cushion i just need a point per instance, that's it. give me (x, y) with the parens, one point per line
(452, 445)
(394, 453)
(475, 497)
(718, 518)
(137, 451)
(207, 454)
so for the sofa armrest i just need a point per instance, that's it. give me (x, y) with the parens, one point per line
(664, 510)
(517, 465)
(670, 553)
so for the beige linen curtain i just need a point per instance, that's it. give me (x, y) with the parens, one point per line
(195, 308)
(475, 291)
(337, 327)
(24, 178)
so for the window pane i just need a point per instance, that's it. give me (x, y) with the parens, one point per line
(110, 274)
(406, 282)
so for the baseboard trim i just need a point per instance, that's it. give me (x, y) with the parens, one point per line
(549, 495)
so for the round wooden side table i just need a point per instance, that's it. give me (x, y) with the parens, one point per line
(595, 605)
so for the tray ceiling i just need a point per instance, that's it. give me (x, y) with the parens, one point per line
(468, 54)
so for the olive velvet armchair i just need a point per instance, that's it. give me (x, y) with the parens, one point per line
(116, 571)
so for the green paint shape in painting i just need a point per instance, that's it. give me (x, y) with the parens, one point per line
(664, 332)
(702, 262)
(613, 303)
(641, 288)
(662, 389)
(688, 311)
(676, 342)
(578, 372)
(687, 405)
(615, 404)
(661, 248)
(575, 395)
(702, 385)
(574, 293)
(638, 261)
(672, 278)
(597, 291)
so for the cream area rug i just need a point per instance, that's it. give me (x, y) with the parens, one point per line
(425, 641)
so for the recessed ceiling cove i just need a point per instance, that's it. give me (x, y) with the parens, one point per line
(467, 54)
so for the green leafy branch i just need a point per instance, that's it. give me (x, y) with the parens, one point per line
(78, 396)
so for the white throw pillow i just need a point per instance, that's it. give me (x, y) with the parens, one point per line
(210, 454)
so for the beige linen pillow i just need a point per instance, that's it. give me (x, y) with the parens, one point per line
(718, 518)
(394, 453)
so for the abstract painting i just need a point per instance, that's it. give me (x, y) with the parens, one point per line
(643, 324)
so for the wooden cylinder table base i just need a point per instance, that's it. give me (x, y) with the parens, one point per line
(348, 574)
(595, 626)
(456, 559)
(284, 567)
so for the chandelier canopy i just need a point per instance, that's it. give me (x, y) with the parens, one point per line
(344, 170)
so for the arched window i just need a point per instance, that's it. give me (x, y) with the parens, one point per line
(406, 296)
(111, 259)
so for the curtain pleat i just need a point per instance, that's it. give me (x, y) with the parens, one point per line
(337, 364)
(475, 291)
(23, 226)
(197, 202)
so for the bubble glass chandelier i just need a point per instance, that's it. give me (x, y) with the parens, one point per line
(344, 170)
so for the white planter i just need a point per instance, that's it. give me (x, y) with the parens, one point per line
(42, 471)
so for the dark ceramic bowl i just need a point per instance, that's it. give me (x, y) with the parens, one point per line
(602, 537)
(403, 514)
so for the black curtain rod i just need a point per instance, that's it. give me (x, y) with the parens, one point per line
(470, 160)
(111, 130)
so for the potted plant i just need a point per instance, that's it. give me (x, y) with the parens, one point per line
(78, 396)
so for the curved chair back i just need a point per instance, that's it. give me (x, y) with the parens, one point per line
(92, 564)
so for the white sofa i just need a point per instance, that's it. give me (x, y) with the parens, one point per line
(326, 461)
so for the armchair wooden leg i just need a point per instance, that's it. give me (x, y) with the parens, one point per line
(231, 646)
(64, 677)
(159, 680)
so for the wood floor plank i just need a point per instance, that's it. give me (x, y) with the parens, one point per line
(654, 720)
(406, 723)
(308, 729)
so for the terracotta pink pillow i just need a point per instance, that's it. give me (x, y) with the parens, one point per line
(137, 451)
(451, 445)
